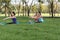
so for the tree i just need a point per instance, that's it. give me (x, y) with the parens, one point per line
(0, 5)
(51, 4)
(59, 0)
(30, 8)
(23, 1)
(18, 8)
(39, 9)
(52, 9)
(34, 8)
(26, 7)
(6, 2)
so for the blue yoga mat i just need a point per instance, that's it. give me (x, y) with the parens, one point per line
(2, 23)
(31, 22)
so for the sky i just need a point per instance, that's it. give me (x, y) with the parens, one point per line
(29, 2)
(19, 1)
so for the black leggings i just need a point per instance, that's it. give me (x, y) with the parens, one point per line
(11, 23)
(38, 22)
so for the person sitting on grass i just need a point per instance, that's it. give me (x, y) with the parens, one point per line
(38, 18)
(13, 17)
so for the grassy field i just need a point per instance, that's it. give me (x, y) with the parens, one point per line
(48, 30)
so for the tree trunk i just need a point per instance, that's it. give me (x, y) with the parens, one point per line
(28, 12)
(0, 8)
(52, 10)
(5, 11)
(39, 9)
(19, 10)
(23, 10)
(29, 8)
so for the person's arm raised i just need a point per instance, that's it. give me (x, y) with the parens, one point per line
(6, 18)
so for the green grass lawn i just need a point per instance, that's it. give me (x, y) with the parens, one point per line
(48, 30)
